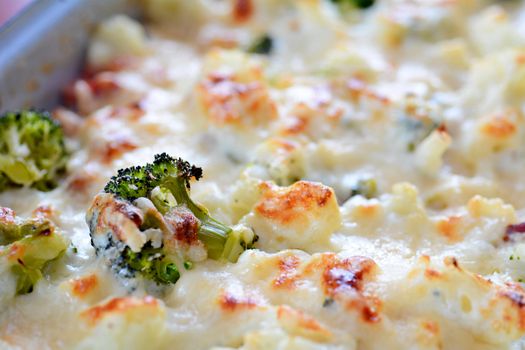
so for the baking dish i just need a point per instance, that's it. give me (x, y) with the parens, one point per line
(42, 48)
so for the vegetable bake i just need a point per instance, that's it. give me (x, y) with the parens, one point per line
(274, 174)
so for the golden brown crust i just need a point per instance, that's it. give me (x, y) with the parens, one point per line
(83, 286)
(286, 205)
(95, 314)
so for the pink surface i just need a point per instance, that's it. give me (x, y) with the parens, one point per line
(8, 8)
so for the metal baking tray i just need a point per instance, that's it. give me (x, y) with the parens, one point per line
(42, 49)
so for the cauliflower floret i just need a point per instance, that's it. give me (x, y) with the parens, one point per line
(496, 81)
(303, 216)
(233, 90)
(246, 192)
(491, 31)
(282, 159)
(116, 37)
(429, 153)
(492, 133)
(27, 248)
(277, 339)
(495, 208)
(124, 323)
(476, 305)
(352, 62)
(405, 199)
(185, 14)
(420, 20)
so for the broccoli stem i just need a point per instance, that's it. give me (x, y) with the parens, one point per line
(211, 232)
(26, 278)
(177, 186)
(36, 252)
(214, 239)
(13, 231)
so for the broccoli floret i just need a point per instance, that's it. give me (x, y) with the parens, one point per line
(13, 228)
(145, 222)
(364, 187)
(152, 263)
(27, 247)
(32, 150)
(262, 45)
(362, 4)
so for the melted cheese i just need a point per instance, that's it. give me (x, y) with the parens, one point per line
(424, 97)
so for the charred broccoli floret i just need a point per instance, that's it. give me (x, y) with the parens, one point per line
(27, 247)
(32, 150)
(146, 223)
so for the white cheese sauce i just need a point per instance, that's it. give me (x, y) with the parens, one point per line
(378, 154)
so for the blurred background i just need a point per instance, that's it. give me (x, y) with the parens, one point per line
(8, 8)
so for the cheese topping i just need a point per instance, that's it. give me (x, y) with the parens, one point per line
(378, 154)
